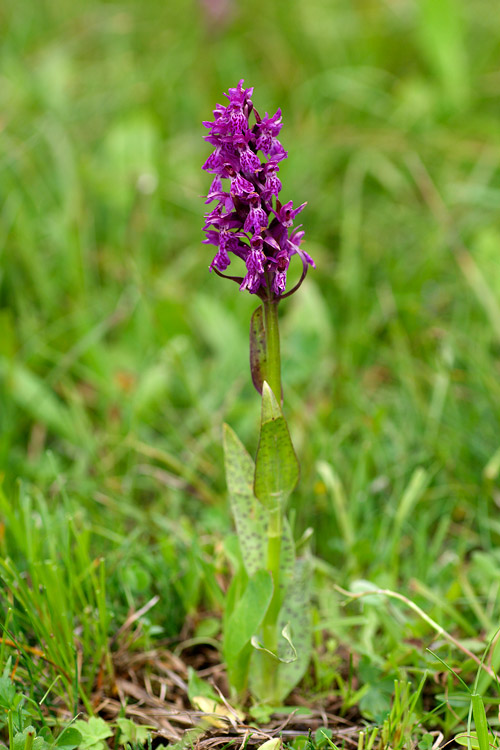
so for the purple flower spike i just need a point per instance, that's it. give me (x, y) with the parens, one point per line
(249, 221)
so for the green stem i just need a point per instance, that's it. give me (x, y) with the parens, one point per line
(273, 374)
(10, 723)
(274, 532)
(273, 565)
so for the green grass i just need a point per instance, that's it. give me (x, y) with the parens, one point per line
(121, 357)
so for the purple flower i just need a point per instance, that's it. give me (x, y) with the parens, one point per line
(281, 262)
(239, 96)
(255, 268)
(272, 185)
(213, 163)
(286, 214)
(267, 129)
(226, 242)
(249, 221)
(257, 218)
(239, 185)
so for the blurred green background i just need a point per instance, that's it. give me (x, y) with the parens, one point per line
(121, 356)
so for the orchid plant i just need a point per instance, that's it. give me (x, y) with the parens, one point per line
(267, 629)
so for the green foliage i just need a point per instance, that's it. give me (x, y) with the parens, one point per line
(480, 722)
(276, 465)
(241, 625)
(198, 687)
(258, 354)
(250, 517)
(94, 732)
(120, 355)
(295, 615)
(17, 714)
(472, 741)
(58, 594)
(277, 594)
(69, 739)
(132, 734)
(91, 734)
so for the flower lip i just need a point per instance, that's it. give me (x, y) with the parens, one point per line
(282, 263)
(257, 242)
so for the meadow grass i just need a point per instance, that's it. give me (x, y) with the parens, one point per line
(121, 357)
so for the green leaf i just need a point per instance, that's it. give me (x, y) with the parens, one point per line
(249, 515)
(375, 703)
(197, 687)
(272, 744)
(234, 593)
(287, 636)
(295, 625)
(238, 464)
(287, 559)
(46, 734)
(426, 742)
(242, 625)
(270, 407)
(259, 646)
(288, 658)
(7, 693)
(94, 732)
(480, 721)
(28, 739)
(68, 739)
(295, 645)
(277, 468)
(258, 351)
(248, 613)
(131, 733)
(471, 740)
(238, 669)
